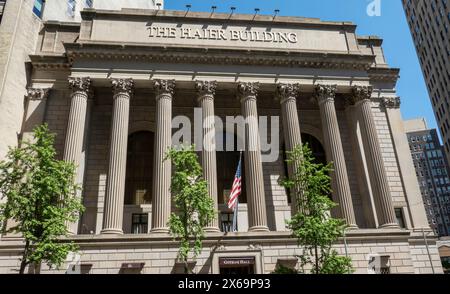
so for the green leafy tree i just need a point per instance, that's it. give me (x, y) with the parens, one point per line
(194, 207)
(40, 199)
(283, 270)
(312, 225)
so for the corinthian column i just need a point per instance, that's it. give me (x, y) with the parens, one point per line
(333, 145)
(206, 91)
(286, 94)
(115, 189)
(253, 166)
(377, 173)
(161, 202)
(76, 128)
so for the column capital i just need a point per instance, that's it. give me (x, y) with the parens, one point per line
(80, 84)
(164, 87)
(390, 102)
(286, 92)
(206, 88)
(123, 86)
(247, 90)
(323, 92)
(37, 93)
(360, 93)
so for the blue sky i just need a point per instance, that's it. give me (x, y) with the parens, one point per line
(391, 25)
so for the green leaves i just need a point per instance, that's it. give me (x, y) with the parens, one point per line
(312, 225)
(41, 198)
(194, 207)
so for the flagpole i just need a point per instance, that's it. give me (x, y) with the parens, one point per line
(236, 208)
(235, 215)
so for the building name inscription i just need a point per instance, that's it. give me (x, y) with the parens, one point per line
(222, 35)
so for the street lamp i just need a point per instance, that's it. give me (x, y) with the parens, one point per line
(428, 250)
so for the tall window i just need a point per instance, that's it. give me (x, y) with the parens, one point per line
(71, 6)
(227, 162)
(226, 221)
(400, 218)
(89, 3)
(316, 148)
(2, 7)
(139, 223)
(139, 175)
(38, 7)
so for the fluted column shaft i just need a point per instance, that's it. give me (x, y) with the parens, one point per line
(76, 130)
(247, 93)
(286, 94)
(377, 173)
(161, 201)
(77, 119)
(115, 189)
(335, 153)
(206, 91)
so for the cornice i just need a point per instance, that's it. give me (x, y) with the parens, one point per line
(227, 56)
(221, 18)
(50, 62)
(143, 240)
(381, 74)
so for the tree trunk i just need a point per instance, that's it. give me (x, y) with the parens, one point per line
(24, 263)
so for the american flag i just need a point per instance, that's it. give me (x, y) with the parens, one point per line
(236, 189)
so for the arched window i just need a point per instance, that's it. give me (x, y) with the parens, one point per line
(317, 150)
(139, 175)
(227, 162)
(316, 147)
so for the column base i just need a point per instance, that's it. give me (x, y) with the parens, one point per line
(258, 229)
(162, 231)
(389, 226)
(212, 230)
(111, 232)
(352, 227)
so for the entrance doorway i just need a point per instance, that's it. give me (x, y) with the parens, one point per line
(237, 265)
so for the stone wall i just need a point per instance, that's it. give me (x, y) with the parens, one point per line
(159, 255)
(18, 37)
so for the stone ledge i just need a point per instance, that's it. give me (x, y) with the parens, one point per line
(230, 239)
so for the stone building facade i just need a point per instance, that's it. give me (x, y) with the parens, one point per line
(110, 86)
(429, 23)
(432, 172)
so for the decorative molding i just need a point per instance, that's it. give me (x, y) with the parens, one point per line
(206, 88)
(164, 87)
(220, 247)
(219, 56)
(287, 91)
(80, 84)
(254, 246)
(37, 93)
(360, 93)
(123, 86)
(390, 102)
(247, 90)
(384, 74)
(323, 93)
